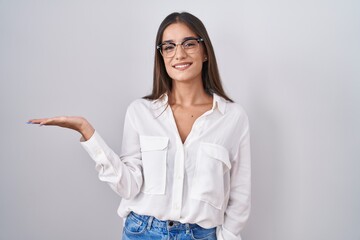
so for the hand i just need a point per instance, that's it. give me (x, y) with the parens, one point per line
(78, 124)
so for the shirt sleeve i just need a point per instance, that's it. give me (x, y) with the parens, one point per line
(123, 173)
(238, 209)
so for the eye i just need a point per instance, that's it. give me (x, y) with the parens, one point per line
(190, 44)
(168, 47)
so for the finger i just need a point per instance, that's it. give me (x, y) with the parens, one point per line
(36, 121)
(55, 121)
(44, 121)
(48, 121)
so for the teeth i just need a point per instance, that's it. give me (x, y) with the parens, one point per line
(182, 66)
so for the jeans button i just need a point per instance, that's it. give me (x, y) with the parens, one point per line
(171, 223)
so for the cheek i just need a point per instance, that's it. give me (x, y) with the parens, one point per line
(168, 67)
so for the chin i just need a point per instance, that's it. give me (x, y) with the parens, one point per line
(185, 77)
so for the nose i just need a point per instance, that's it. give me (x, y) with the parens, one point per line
(179, 52)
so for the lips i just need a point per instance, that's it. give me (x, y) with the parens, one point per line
(182, 66)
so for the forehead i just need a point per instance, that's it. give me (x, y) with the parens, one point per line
(177, 32)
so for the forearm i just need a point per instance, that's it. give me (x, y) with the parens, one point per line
(123, 175)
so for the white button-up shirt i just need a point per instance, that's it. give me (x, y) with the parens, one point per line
(205, 180)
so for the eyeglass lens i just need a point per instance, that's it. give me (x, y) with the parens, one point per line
(189, 46)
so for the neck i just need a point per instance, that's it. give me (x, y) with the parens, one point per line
(188, 94)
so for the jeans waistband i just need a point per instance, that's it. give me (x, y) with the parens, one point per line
(166, 225)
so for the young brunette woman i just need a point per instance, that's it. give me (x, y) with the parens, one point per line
(184, 167)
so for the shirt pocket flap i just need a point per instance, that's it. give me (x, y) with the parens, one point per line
(218, 152)
(151, 143)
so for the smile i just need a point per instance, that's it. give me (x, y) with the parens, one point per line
(182, 66)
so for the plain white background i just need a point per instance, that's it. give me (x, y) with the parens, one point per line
(293, 65)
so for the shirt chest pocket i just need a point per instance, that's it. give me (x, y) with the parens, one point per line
(211, 181)
(154, 155)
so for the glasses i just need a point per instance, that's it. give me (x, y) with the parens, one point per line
(190, 45)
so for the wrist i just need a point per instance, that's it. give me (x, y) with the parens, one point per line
(86, 130)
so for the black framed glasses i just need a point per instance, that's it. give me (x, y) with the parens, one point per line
(190, 45)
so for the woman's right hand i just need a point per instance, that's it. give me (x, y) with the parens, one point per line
(78, 124)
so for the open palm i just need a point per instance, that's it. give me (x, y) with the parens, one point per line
(76, 123)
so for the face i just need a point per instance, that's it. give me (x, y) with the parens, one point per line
(183, 66)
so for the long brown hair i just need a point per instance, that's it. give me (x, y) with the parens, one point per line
(162, 83)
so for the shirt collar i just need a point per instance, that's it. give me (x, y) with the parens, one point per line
(218, 102)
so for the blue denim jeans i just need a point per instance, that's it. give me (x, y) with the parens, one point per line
(147, 227)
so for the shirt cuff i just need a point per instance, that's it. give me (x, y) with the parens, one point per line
(224, 234)
(95, 147)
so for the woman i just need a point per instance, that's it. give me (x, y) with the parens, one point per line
(184, 168)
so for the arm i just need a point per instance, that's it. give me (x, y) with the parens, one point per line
(123, 174)
(238, 209)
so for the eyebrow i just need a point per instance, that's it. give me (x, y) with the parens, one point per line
(184, 39)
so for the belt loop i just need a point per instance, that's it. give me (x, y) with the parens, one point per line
(150, 222)
(187, 228)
